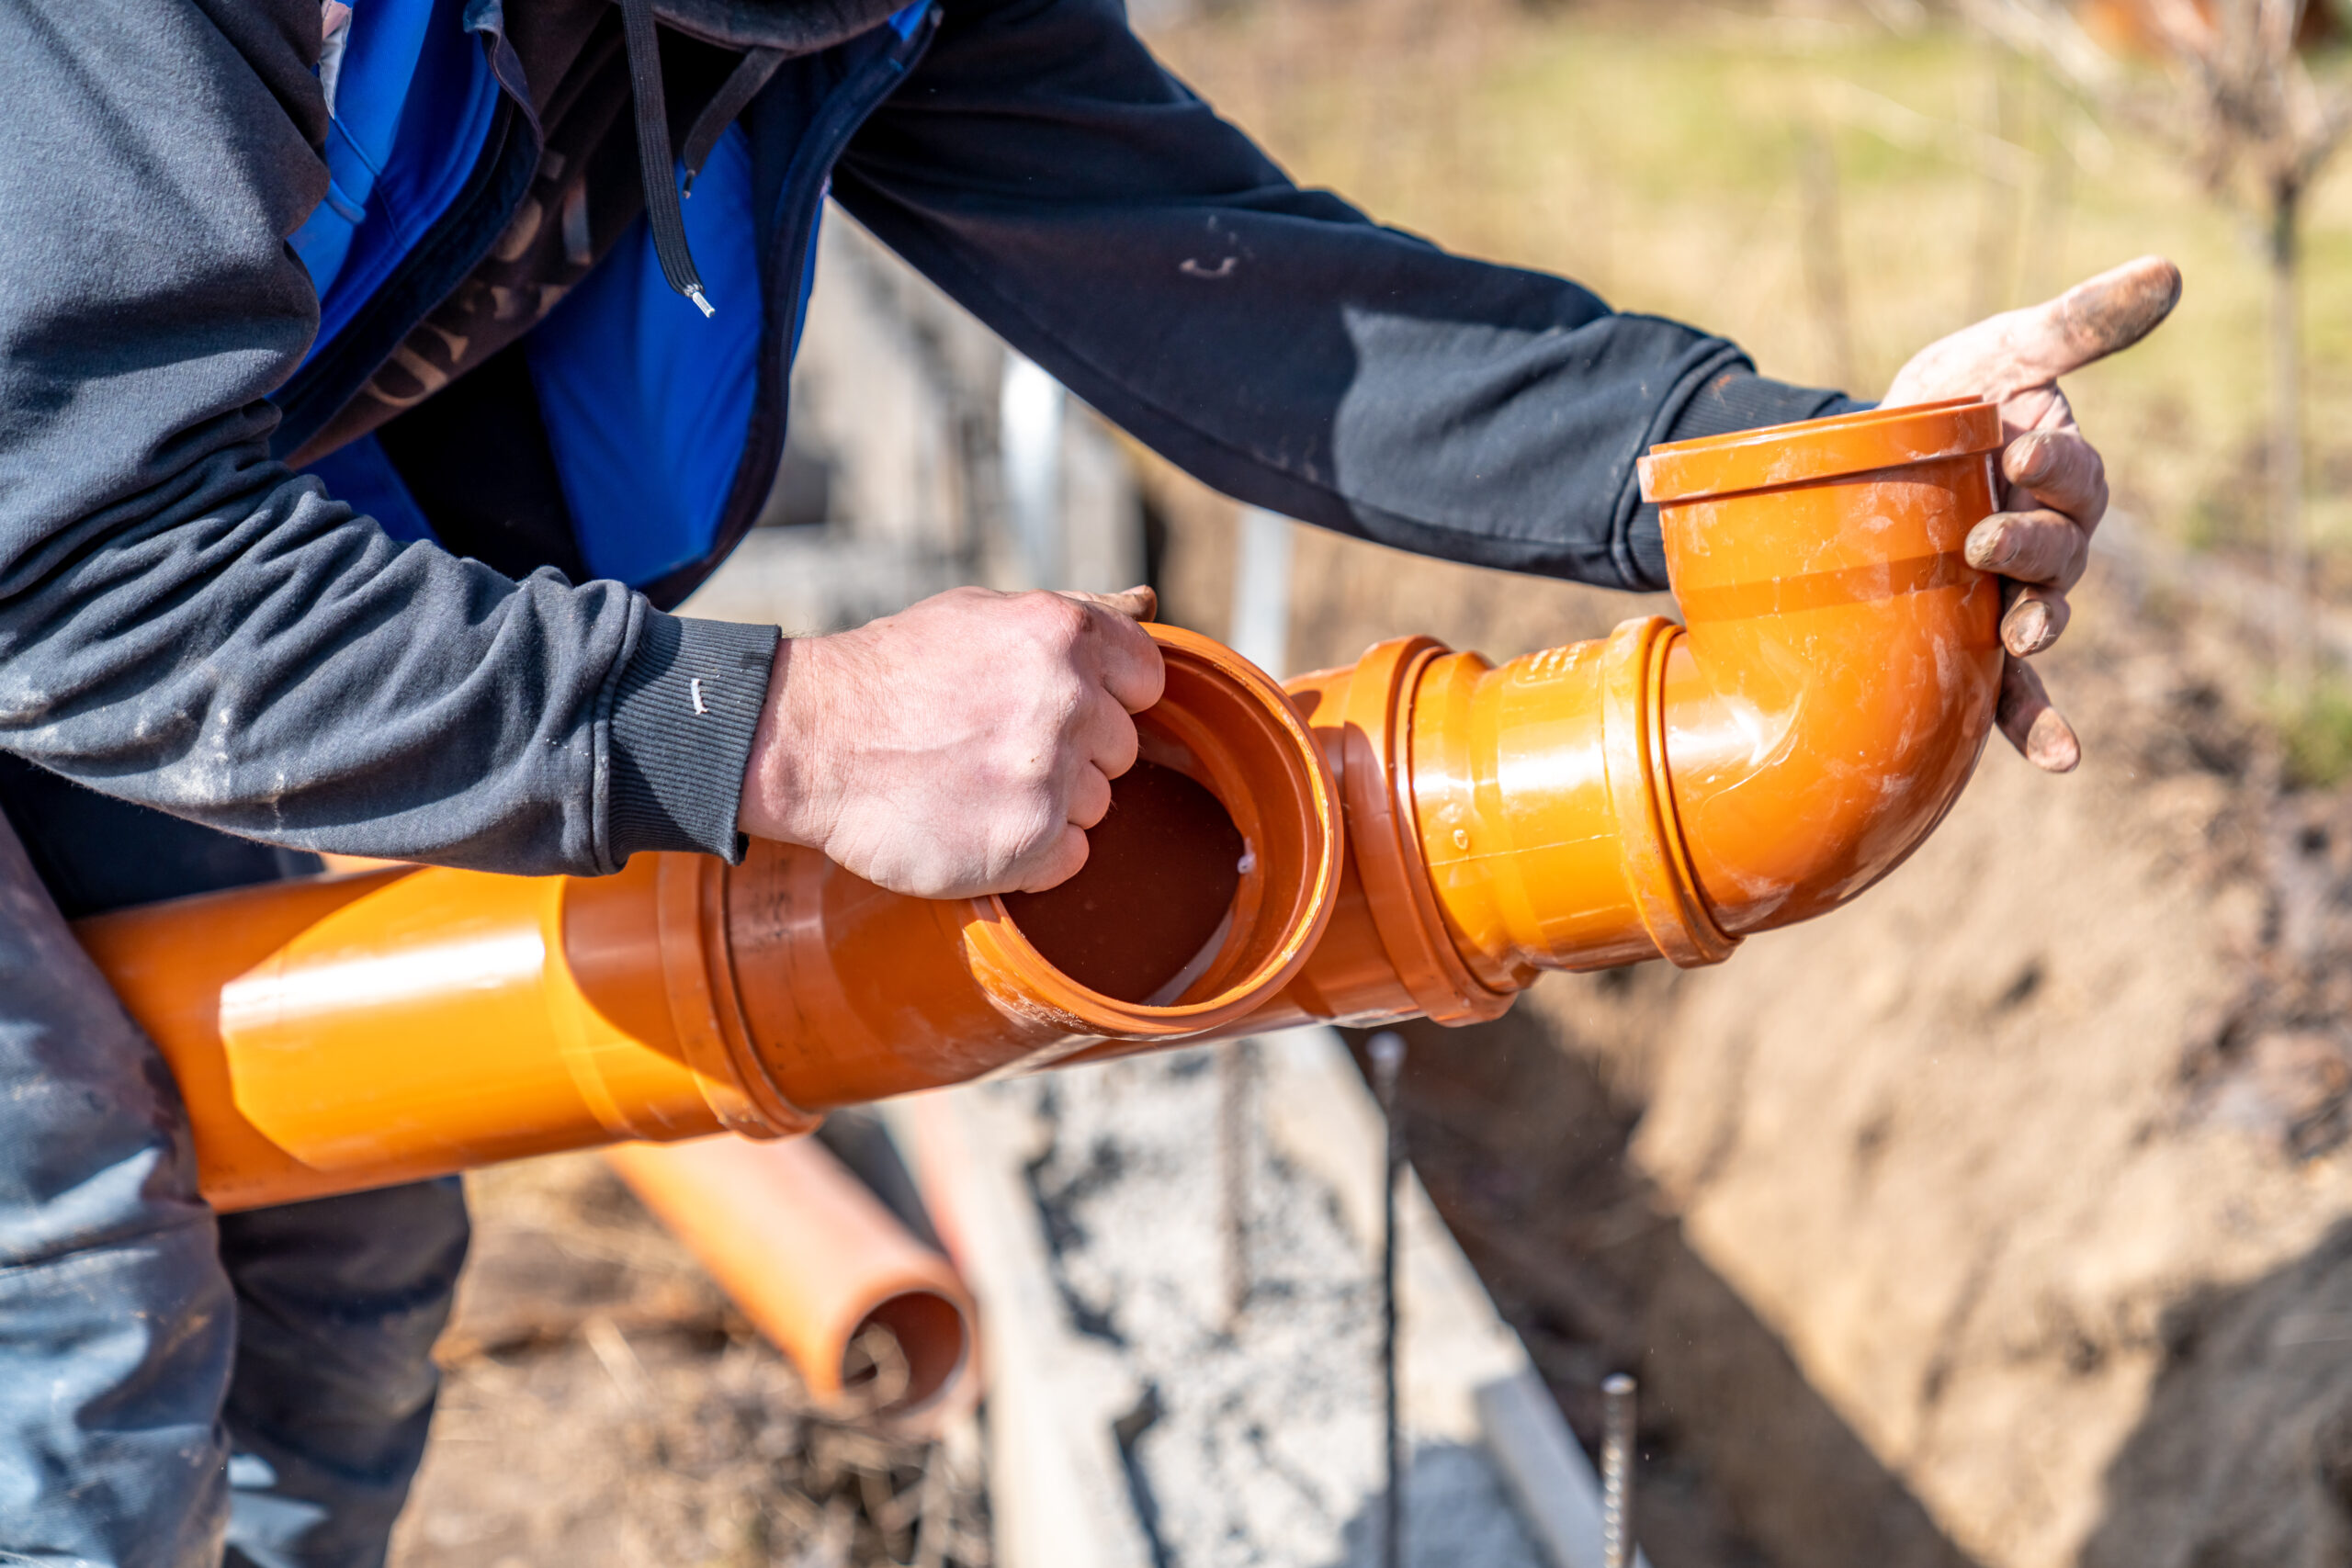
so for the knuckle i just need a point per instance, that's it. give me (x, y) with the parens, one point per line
(1020, 789)
(1023, 835)
(1064, 702)
(1056, 861)
(1057, 622)
(2053, 537)
(2047, 542)
(2078, 562)
(1038, 772)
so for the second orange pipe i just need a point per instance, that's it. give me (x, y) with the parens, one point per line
(815, 1260)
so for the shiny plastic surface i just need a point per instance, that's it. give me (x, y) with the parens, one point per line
(1838, 679)
(1664, 792)
(351, 1032)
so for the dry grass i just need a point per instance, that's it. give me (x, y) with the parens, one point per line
(1659, 153)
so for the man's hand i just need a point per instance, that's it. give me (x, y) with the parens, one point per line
(960, 746)
(2055, 487)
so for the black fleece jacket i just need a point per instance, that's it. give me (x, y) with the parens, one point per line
(187, 624)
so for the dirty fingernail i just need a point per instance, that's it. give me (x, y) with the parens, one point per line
(1989, 547)
(2031, 458)
(2028, 628)
(2050, 745)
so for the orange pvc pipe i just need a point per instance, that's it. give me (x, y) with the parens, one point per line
(349, 1031)
(814, 1260)
(1662, 792)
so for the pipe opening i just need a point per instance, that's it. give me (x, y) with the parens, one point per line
(1216, 856)
(905, 1354)
(1149, 912)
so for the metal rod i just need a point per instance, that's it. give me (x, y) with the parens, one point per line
(1617, 1395)
(1387, 1052)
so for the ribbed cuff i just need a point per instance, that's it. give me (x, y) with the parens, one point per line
(1738, 398)
(684, 714)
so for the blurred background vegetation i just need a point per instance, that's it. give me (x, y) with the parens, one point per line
(1831, 184)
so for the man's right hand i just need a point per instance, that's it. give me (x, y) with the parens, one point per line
(959, 748)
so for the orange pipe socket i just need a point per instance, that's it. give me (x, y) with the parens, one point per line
(815, 1261)
(1663, 791)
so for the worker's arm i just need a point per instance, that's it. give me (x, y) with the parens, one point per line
(1042, 168)
(185, 623)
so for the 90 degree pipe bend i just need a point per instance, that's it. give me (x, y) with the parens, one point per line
(1665, 791)
(1808, 725)
(1670, 789)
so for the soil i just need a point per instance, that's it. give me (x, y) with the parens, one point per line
(604, 1406)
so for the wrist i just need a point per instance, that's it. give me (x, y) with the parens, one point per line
(785, 798)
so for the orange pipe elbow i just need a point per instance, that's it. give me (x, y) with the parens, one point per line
(814, 1260)
(1662, 792)
(1670, 789)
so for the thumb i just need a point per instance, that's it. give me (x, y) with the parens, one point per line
(1135, 604)
(2096, 318)
(2019, 350)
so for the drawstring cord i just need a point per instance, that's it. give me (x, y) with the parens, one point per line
(662, 207)
(735, 96)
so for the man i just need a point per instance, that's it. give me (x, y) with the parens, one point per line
(261, 258)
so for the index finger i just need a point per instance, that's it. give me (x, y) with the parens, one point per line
(2060, 470)
(1130, 664)
(1137, 604)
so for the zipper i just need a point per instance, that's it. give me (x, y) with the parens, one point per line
(805, 183)
(828, 137)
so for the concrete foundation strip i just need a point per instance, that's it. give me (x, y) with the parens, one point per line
(1056, 1481)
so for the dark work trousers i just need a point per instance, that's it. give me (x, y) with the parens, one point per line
(178, 1390)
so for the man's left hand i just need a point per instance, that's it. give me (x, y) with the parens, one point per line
(2054, 486)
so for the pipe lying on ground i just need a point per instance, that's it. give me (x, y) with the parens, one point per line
(819, 1266)
(1663, 791)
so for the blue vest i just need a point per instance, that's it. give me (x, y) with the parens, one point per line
(666, 428)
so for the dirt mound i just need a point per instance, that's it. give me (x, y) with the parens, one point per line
(2004, 1217)
(1976, 1146)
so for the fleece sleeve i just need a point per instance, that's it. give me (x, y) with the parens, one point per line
(185, 623)
(1042, 168)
